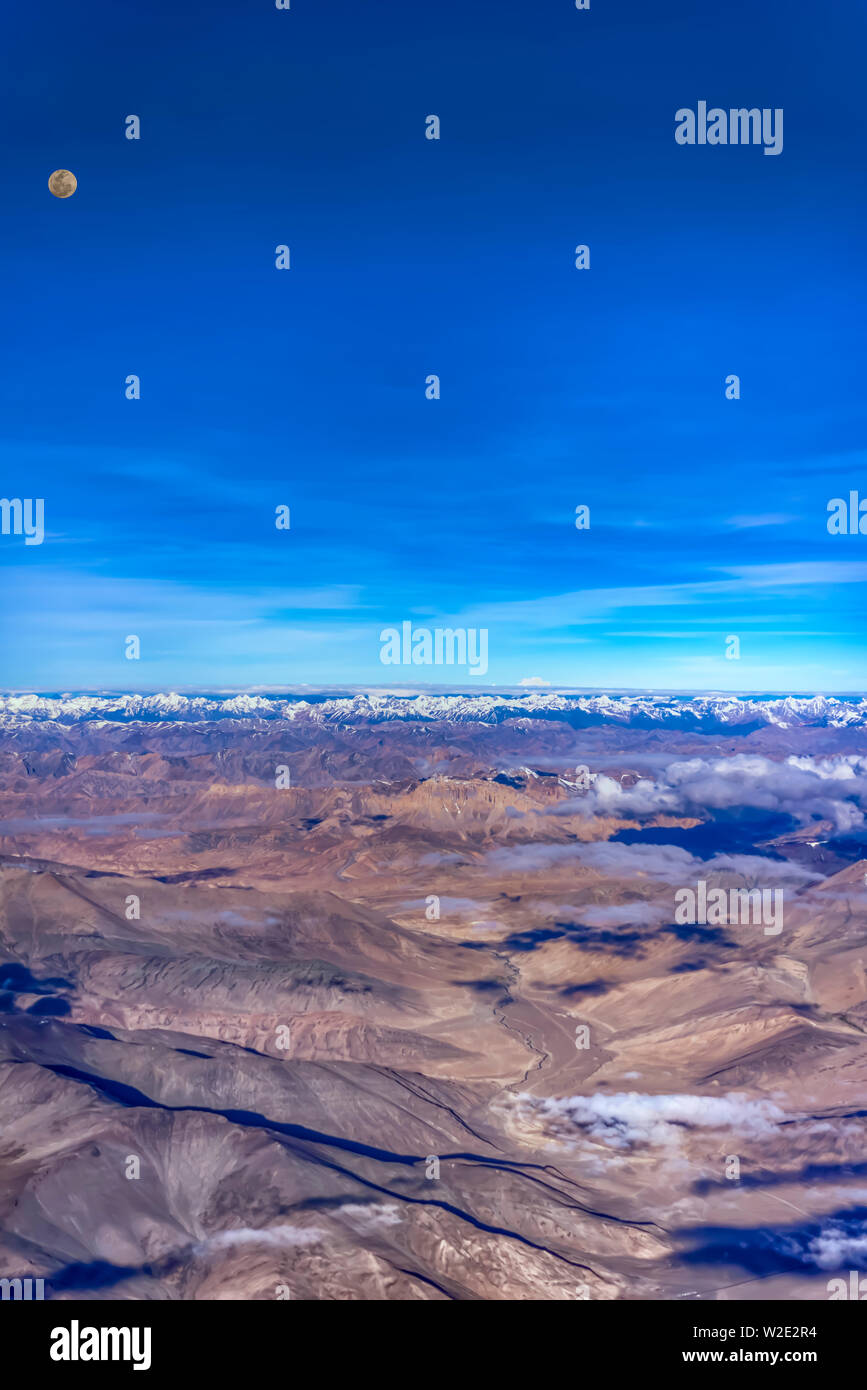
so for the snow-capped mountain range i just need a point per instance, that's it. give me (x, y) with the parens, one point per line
(698, 712)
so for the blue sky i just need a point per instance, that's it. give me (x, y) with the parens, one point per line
(409, 257)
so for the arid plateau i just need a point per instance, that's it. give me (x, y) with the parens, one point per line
(380, 997)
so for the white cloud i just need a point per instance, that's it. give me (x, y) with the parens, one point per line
(831, 788)
(273, 1236)
(668, 863)
(371, 1214)
(834, 1248)
(629, 1118)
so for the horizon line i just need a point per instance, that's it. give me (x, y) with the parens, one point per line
(412, 692)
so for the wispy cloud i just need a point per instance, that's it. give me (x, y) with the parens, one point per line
(748, 522)
(627, 1119)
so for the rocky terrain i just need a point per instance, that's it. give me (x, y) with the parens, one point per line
(367, 996)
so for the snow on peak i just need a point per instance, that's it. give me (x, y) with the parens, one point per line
(697, 712)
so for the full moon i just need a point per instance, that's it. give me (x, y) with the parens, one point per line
(62, 183)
